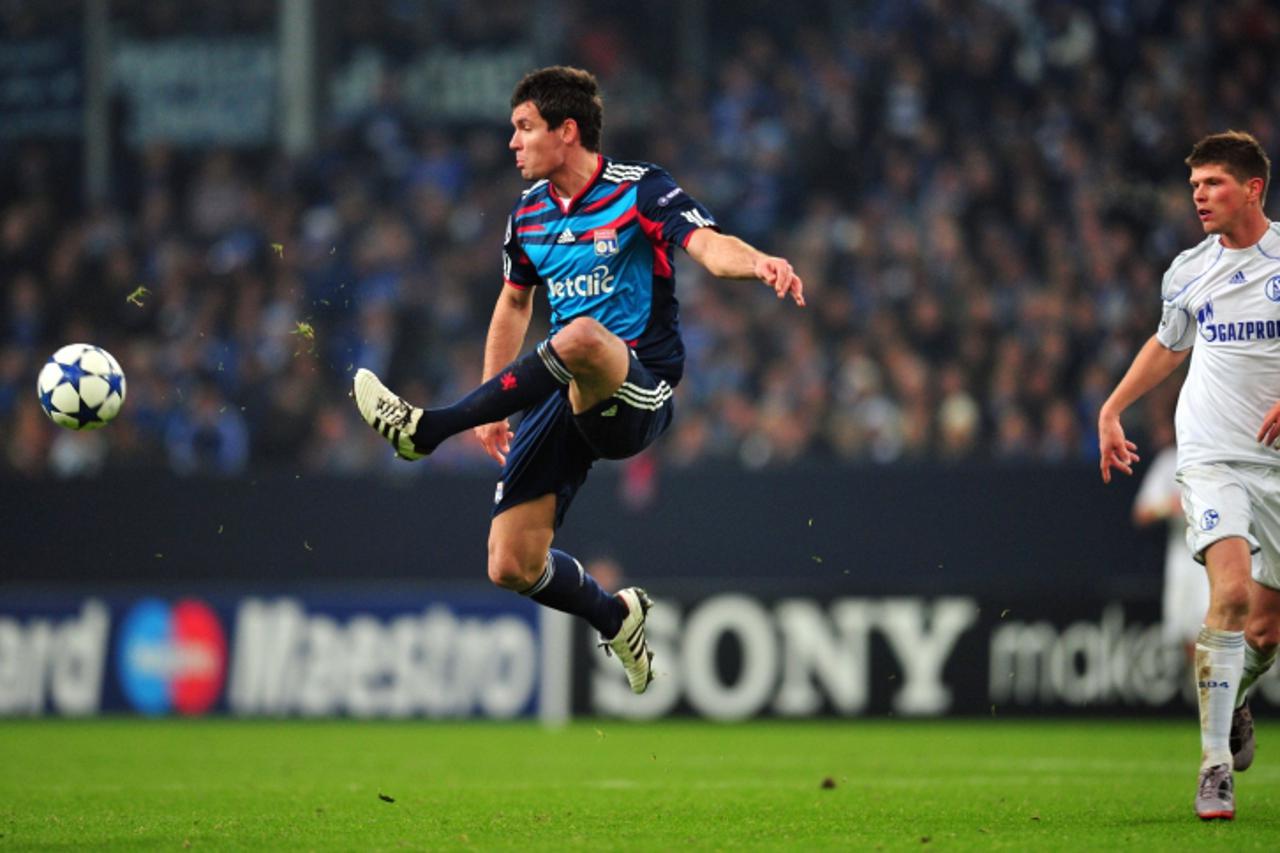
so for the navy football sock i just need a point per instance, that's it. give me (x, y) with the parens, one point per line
(565, 586)
(521, 383)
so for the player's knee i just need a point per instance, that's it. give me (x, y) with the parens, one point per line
(509, 572)
(1262, 634)
(581, 344)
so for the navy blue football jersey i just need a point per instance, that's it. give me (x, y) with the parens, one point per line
(609, 254)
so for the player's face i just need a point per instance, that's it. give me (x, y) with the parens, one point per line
(540, 151)
(1221, 201)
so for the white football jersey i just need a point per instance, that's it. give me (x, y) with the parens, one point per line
(1225, 303)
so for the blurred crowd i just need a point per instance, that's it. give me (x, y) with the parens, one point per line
(980, 197)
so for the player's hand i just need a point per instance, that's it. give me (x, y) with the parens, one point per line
(1269, 432)
(778, 274)
(1114, 450)
(495, 438)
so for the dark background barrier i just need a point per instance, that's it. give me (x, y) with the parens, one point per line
(1051, 532)
(914, 591)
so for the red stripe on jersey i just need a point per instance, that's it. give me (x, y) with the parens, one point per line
(533, 208)
(509, 283)
(596, 205)
(624, 219)
(531, 229)
(653, 230)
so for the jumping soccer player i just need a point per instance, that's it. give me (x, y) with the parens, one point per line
(598, 235)
(1223, 298)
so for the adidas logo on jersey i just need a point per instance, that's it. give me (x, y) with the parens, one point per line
(566, 236)
(619, 173)
(1238, 278)
(696, 219)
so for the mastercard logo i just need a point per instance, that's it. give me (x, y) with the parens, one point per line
(172, 657)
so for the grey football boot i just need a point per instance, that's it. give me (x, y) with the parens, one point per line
(1242, 741)
(1215, 795)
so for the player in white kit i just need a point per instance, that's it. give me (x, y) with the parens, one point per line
(1222, 298)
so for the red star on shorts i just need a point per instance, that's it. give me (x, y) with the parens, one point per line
(508, 381)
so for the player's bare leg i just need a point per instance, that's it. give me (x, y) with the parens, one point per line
(597, 359)
(521, 558)
(1262, 635)
(519, 539)
(1219, 661)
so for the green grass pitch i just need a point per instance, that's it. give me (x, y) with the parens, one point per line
(131, 784)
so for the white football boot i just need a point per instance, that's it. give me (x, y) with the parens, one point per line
(393, 418)
(629, 643)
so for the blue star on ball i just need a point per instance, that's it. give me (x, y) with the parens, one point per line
(72, 374)
(85, 416)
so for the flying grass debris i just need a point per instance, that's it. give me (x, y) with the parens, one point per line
(139, 293)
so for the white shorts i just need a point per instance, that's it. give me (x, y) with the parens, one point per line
(1231, 499)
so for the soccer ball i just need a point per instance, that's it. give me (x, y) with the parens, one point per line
(81, 387)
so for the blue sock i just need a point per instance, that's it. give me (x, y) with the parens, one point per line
(565, 586)
(521, 383)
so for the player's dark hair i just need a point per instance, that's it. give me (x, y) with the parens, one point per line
(1238, 152)
(560, 92)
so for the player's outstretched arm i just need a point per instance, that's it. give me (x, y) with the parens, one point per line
(1152, 364)
(726, 256)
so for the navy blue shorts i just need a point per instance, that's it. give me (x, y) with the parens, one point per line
(553, 448)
